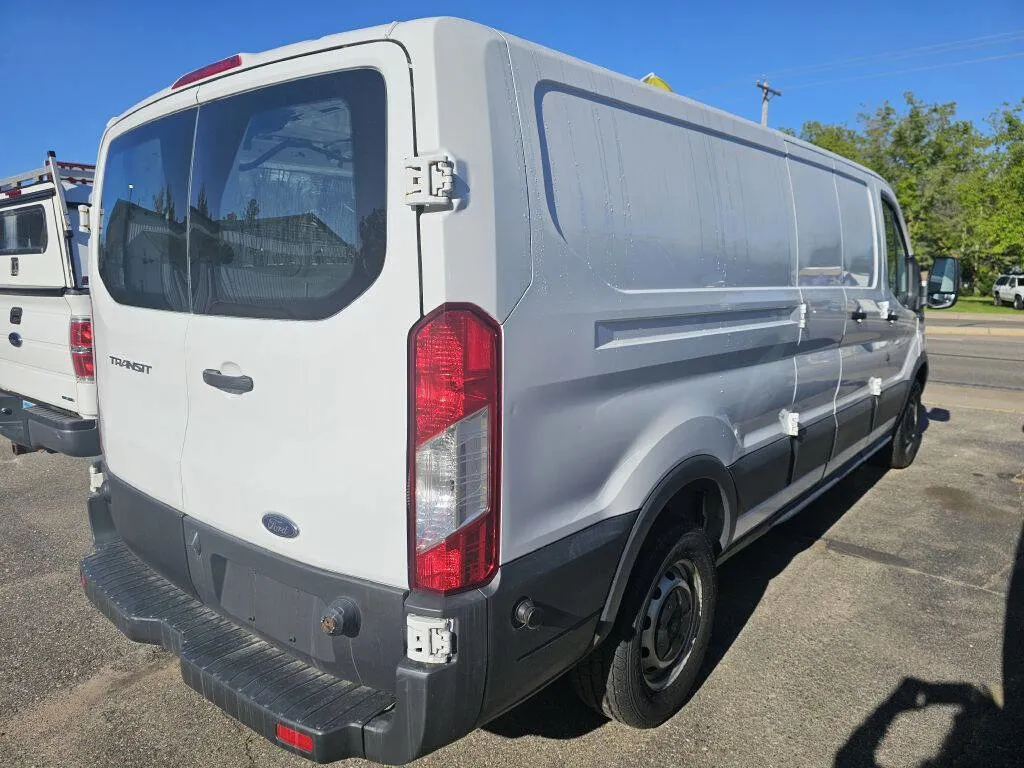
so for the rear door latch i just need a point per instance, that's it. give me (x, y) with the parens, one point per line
(429, 180)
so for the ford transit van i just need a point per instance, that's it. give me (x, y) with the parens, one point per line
(434, 364)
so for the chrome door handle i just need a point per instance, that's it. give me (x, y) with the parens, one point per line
(859, 315)
(236, 385)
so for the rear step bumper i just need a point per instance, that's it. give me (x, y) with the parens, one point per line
(248, 678)
(165, 578)
(43, 427)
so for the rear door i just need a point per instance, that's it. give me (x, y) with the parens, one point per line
(304, 285)
(140, 301)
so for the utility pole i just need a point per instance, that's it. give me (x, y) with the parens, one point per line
(766, 95)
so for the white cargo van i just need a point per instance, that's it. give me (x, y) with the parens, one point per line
(434, 364)
(47, 391)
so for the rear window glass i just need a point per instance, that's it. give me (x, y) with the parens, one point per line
(286, 214)
(23, 231)
(145, 193)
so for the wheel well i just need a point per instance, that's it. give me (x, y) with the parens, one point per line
(700, 503)
(922, 374)
(699, 489)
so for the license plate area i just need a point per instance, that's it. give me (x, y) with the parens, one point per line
(285, 601)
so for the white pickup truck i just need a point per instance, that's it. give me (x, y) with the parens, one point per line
(47, 377)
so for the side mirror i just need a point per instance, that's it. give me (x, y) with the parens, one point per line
(944, 283)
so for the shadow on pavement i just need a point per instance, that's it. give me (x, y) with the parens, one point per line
(929, 415)
(988, 729)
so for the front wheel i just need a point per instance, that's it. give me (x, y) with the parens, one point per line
(643, 673)
(901, 451)
(995, 300)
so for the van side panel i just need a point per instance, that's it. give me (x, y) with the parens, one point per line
(664, 313)
(466, 106)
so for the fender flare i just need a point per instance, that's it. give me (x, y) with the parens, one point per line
(689, 470)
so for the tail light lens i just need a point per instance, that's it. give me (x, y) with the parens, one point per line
(81, 349)
(455, 449)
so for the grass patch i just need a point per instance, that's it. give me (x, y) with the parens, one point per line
(981, 305)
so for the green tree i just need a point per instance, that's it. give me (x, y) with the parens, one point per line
(961, 189)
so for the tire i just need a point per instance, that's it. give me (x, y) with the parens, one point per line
(900, 452)
(995, 301)
(619, 678)
(1018, 302)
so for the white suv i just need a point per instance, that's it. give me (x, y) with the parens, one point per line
(1009, 289)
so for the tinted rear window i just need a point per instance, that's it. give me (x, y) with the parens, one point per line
(286, 214)
(23, 231)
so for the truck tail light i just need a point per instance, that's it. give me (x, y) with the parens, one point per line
(81, 349)
(455, 448)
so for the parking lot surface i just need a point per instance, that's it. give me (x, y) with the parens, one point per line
(883, 625)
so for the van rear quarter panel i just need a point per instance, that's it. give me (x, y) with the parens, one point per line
(623, 359)
(465, 99)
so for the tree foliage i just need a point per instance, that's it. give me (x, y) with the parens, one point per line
(961, 188)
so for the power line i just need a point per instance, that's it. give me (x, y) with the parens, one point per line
(906, 71)
(907, 53)
(925, 50)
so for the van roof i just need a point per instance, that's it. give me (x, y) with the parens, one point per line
(402, 31)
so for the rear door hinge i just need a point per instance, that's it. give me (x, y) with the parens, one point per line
(429, 180)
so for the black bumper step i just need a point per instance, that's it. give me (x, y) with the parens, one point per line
(250, 679)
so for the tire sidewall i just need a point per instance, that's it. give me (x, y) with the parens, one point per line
(905, 451)
(654, 707)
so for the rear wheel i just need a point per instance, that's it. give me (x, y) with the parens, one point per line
(1018, 302)
(901, 451)
(643, 673)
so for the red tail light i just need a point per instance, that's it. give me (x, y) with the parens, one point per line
(81, 348)
(455, 448)
(293, 738)
(208, 71)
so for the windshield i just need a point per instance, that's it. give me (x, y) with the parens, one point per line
(285, 213)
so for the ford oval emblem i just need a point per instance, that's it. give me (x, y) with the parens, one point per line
(279, 525)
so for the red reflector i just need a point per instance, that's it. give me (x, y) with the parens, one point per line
(81, 576)
(80, 334)
(293, 738)
(13, 193)
(208, 71)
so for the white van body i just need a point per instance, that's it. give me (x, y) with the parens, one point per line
(45, 403)
(654, 305)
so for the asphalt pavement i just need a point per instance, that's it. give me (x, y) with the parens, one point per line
(977, 361)
(884, 625)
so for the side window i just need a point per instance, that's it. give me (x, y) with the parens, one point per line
(23, 231)
(895, 252)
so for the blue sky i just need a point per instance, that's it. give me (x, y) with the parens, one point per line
(67, 67)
